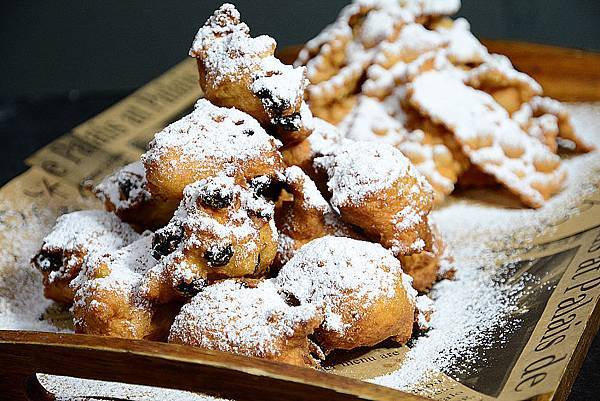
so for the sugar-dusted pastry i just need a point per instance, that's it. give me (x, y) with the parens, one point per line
(75, 237)
(392, 63)
(220, 230)
(126, 194)
(108, 300)
(463, 50)
(365, 296)
(239, 71)
(428, 8)
(376, 188)
(209, 141)
(336, 111)
(509, 87)
(302, 154)
(305, 217)
(369, 121)
(549, 121)
(252, 321)
(427, 147)
(337, 59)
(494, 142)
(435, 152)
(429, 266)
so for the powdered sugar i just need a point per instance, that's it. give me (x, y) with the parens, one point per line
(432, 7)
(359, 169)
(323, 138)
(482, 236)
(83, 234)
(74, 389)
(463, 46)
(463, 307)
(501, 65)
(369, 121)
(332, 271)
(488, 136)
(110, 189)
(230, 317)
(211, 133)
(311, 195)
(120, 272)
(224, 35)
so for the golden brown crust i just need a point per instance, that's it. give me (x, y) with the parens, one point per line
(239, 71)
(221, 230)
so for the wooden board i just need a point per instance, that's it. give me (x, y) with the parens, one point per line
(568, 75)
(168, 365)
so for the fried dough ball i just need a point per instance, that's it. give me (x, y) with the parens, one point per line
(376, 188)
(221, 230)
(239, 71)
(360, 286)
(229, 316)
(75, 237)
(429, 266)
(108, 300)
(305, 217)
(302, 154)
(207, 142)
(125, 193)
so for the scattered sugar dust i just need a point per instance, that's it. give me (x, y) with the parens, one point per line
(71, 389)
(477, 302)
(467, 308)
(22, 302)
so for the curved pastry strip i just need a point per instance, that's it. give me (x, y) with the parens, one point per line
(390, 65)
(489, 137)
(509, 87)
(548, 120)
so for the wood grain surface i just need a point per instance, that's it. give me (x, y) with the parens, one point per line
(565, 74)
(168, 365)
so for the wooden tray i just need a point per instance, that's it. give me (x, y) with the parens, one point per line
(565, 74)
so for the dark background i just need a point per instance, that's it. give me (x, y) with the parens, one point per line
(59, 45)
(63, 61)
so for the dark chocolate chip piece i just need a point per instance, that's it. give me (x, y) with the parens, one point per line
(125, 185)
(290, 299)
(289, 123)
(217, 257)
(192, 288)
(266, 187)
(217, 199)
(47, 261)
(166, 240)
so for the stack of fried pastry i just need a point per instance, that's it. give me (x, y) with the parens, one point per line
(404, 73)
(251, 226)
